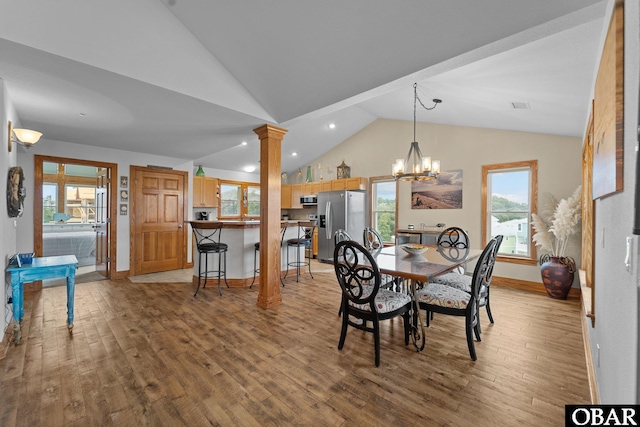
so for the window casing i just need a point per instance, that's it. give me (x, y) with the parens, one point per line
(509, 197)
(384, 207)
(239, 200)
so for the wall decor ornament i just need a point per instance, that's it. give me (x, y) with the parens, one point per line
(15, 192)
(343, 171)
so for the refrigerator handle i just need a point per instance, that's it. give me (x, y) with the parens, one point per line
(329, 227)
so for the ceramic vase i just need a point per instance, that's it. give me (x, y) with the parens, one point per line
(557, 276)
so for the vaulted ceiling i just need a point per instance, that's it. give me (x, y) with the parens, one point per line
(191, 78)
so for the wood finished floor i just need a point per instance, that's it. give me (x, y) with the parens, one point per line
(152, 354)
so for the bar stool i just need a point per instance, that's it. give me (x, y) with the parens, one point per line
(305, 235)
(256, 270)
(207, 235)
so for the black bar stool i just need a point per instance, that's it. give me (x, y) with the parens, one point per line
(256, 270)
(305, 236)
(207, 235)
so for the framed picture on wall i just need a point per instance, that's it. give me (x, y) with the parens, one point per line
(444, 192)
(124, 181)
(124, 209)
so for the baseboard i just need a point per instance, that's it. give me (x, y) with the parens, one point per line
(591, 372)
(121, 275)
(526, 285)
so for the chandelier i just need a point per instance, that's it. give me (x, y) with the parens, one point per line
(416, 167)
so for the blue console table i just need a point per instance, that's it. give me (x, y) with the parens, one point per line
(51, 267)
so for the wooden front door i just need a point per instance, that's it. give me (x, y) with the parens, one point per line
(157, 220)
(103, 220)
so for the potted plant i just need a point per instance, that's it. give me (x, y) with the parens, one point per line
(553, 228)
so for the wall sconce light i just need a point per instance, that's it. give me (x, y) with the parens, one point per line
(26, 137)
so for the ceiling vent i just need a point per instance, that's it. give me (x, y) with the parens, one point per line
(520, 106)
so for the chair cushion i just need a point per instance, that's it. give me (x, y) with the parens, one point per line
(385, 300)
(212, 247)
(299, 242)
(461, 282)
(458, 281)
(443, 296)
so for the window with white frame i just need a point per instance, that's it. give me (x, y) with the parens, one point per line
(508, 202)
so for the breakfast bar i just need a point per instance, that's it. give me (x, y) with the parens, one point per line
(241, 237)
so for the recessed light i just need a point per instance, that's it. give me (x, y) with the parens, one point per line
(332, 125)
(244, 143)
(294, 154)
(249, 168)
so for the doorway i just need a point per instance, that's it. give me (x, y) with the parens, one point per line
(157, 214)
(74, 213)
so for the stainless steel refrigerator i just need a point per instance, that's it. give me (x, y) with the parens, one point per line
(340, 209)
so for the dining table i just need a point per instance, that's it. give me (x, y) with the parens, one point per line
(421, 268)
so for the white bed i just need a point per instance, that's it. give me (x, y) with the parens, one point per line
(82, 244)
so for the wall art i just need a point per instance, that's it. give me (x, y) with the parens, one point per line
(444, 192)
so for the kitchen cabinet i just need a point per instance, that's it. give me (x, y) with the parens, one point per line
(297, 190)
(285, 196)
(357, 183)
(325, 186)
(314, 242)
(205, 192)
(315, 188)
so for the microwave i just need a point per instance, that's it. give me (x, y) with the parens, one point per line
(310, 200)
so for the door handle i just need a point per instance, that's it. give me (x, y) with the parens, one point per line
(180, 226)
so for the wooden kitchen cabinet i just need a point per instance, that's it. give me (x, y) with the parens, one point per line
(297, 190)
(205, 192)
(338, 184)
(314, 242)
(325, 186)
(285, 196)
(356, 183)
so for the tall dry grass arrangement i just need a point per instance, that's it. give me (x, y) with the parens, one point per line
(552, 231)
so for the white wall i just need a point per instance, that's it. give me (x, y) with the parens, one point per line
(124, 159)
(616, 291)
(7, 224)
(371, 152)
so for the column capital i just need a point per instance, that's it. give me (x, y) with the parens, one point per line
(270, 131)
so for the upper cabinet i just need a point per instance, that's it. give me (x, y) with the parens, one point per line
(297, 190)
(205, 192)
(290, 193)
(285, 196)
(349, 184)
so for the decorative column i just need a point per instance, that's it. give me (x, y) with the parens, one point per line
(270, 168)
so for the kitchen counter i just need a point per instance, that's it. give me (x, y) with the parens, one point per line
(241, 224)
(241, 237)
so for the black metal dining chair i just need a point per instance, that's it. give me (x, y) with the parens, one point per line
(438, 298)
(363, 298)
(372, 240)
(463, 282)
